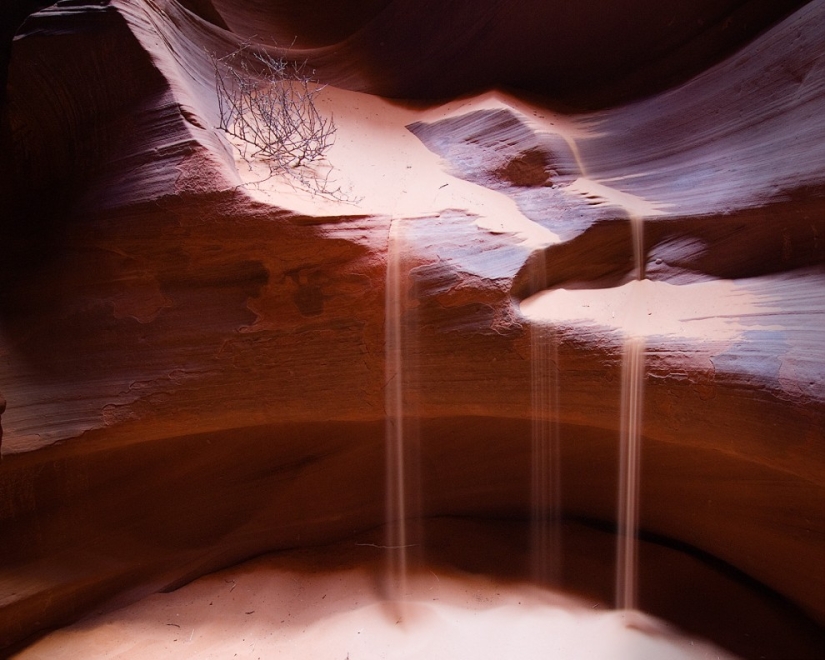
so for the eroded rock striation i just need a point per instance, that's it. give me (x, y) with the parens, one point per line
(194, 354)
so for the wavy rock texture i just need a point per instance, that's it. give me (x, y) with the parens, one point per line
(194, 356)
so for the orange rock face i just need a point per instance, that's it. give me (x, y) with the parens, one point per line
(199, 360)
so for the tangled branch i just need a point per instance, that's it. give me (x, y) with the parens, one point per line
(268, 104)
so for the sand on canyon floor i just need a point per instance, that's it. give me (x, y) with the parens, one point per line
(277, 607)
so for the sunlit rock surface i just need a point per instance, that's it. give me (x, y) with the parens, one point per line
(193, 354)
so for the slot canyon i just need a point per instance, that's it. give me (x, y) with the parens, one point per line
(528, 363)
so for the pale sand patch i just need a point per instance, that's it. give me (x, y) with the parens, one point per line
(634, 205)
(381, 168)
(259, 610)
(377, 166)
(709, 311)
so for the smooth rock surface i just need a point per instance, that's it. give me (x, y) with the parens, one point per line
(193, 354)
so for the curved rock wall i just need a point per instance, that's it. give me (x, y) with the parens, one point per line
(590, 52)
(194, 355)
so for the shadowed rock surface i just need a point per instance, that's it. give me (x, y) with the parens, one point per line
(195, 375)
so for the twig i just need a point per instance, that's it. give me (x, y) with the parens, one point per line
(268, 104)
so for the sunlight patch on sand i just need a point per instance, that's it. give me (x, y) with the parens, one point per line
(381, 168)
(710, 311)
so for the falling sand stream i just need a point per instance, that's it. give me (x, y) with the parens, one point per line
(545, 470)
(402, 488)
(632, 392)
(632, 396)
(401, 436)
(545, 462)
(394, 436)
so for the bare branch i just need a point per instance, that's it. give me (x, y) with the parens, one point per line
(269, 105)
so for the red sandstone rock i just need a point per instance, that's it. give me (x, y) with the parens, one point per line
(195, 365)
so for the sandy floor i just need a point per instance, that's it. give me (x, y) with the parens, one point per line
(270, 608)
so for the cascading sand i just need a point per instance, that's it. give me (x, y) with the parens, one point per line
(545, 462)
(629, 463)
(630, 440)
(401, 432)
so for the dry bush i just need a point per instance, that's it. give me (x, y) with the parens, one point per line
(268, 104)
